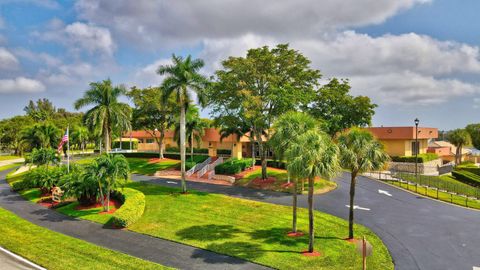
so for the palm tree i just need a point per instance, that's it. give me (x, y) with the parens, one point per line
(44, 156)
(312, 155)
(459, 138)
(43, 135)
(182, 78)
(194, 128)
(112, 169)
(107, 111)
(360, 152)
(231, 125)
(287, 129)
(80, 135)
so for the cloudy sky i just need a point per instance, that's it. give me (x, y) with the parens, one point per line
(414, 58)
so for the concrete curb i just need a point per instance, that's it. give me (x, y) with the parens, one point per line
(21, 260)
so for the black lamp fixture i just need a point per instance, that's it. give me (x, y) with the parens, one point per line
(416, 121)
(417, 149)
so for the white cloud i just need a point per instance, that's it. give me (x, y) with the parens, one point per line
(154, 21)
(41, 57)
(80, 36)
(66, 75)
(21, 85)
(8, 61)
(147, 76)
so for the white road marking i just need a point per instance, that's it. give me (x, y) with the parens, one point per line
(384, 192)
(358, 207)
(476, 268)
(21, 259)
(171, 182)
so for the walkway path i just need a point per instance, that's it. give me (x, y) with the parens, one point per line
(149, 248)
(420, 233)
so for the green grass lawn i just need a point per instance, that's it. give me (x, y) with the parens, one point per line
(53, 250)
(443, 196)
(91, 214)
(9, 166)
(321, 185)
(250, 230)
(141, 165)
(2, 158)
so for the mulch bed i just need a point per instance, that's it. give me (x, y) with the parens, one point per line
(158, 160)
(259, 182)
(311, 254)
(114, 205)
(47, 202)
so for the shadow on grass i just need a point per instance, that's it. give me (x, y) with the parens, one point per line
(208, 232)
(148, 188)
(244, 250)
(278, 236)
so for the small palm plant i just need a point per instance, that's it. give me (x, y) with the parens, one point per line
(360, 152)
(287, 129)
(312, 155)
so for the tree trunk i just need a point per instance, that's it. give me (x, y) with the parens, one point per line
(160, 145)
(294, 205)
(311, 231)
(182, 146)
(108, 198)
(102, 198)
(121, 135)
(106, 140)
(263, 157)
(352, 196)
(191, 147)
(253, 153)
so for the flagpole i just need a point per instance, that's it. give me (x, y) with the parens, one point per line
(68, 149)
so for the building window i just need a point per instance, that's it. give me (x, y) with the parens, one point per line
(415, 148)
(149, 140)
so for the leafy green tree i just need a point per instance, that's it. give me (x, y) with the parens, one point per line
(360, 152)
(312, 155)
(153, 114)
(287, 129)
(340, 110)
(107, 112)
(11, 133)
(459, 138)
(182, 78)
(231, 125)
(474, 131)
(262, 86)
(194, 129)
(42, 110)
(42, 135)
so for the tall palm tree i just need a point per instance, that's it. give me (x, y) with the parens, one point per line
(107, 111)
(312, 155)
(360, 152)
(112, 169)
(287, 129)
(459, 138)
(194, 128)
(182, 78)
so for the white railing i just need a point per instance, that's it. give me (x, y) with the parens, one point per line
(211, 174)
(191, 171)
(200, 166)
(209, 167)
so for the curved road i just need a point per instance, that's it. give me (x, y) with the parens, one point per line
(420, 233)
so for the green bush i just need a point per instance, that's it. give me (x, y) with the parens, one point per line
(467, 177)
(44, 178)
(233, 166)
(125, 144)
(22, 185)
(195, 150)
(196, 158)
(422, 158)
(224, 152)
(272, 163)
(132, 208)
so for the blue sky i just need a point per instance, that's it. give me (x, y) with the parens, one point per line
(414, 58)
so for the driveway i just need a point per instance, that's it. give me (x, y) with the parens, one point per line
(420, 233)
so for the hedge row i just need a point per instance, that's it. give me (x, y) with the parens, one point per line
(272, 164)
(198, 150)
(233, 166)
(467, 177)
(422, 158)
(132, 208)
(22, 185)
(125, 144)
(196, 158)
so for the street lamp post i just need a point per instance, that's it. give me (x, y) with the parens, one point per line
(416, 151)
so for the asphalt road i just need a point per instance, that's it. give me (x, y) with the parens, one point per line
(420, 233)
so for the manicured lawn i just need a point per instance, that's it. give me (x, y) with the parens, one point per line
(91, 214)
(443, 196)
(321, 185)
(250, 230)
(53, 250)
(142, 166)
(8, 157)
(9, 166)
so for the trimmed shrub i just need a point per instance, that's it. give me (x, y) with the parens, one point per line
(233, 166)
(272, 163)
(132, 208)
(196, 158)
(22, 185)
(467, 177)
(125, 144)
(422, 158)
(224, 152)
(195, 150)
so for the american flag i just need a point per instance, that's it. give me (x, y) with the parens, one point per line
(64, 140)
